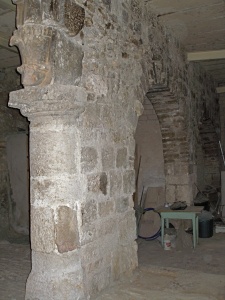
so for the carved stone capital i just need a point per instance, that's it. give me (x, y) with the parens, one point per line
(48, 56)
(50, 100)
(34, 43)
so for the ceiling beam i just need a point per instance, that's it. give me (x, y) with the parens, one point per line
(206, 55)
(220, 89)
(7, 4)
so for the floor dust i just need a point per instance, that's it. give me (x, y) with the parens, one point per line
(185, 274)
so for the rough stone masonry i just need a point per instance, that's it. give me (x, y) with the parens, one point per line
(87, 67)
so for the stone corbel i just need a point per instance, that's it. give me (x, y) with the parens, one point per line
(34, 43)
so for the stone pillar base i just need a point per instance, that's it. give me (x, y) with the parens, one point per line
(53, 276)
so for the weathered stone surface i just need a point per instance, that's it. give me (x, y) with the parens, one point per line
(108, 158)
(115, 183)
(105, 208)
(73, 17)
(94, 140)
(56, 100)
(67, 236)
(89, 159)
(48, 285)
(42, 229)
(89, 212)
(171, 194)
(34, 43)
(128, 182)
(122, 205)
(97, 183)
(121, 158)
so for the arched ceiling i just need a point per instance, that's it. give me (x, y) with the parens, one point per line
(200, 27)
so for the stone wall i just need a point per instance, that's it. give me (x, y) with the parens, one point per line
(126, 55)
(157, 62)
(84, 109)
(10, 122)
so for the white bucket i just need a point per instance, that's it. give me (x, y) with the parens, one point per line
(167, 243)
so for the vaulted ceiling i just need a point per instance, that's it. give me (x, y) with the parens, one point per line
(198, 24)
(200, 27)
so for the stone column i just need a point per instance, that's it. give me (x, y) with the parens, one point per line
(56, 188)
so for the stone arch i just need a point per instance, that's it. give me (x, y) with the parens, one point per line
(175, 143)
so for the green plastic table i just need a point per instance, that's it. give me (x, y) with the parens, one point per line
(190, 213)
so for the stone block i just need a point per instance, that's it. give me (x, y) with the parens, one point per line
(178, 179)
(105, 208)
(49, 286)
(124, 260)
(97, 183)
(89, 159)
(129, 182)
(42, 229)
(54, 263)
(170, 193)
(93, 266)
(88, 233)
(107, 117)
(99, 281)
(122, 204)
(121, 158)
(32, 12)
(89, 212)
(184, 193)
(107, 227)
(181, 168)
(74, 16)
(127, 227)
(68, 56)
(67, 237)
(108, 158)
(169, 169)
(56, 189)
(115, 183)
(90, 252)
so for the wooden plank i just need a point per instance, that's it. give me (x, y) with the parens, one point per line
(196, 15)
(220, 89)
(216, 72)
(205, 55)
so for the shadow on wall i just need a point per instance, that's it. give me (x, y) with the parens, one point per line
(18, 164)
(149, 154)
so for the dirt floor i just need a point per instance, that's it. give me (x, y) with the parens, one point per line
(184, 274)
